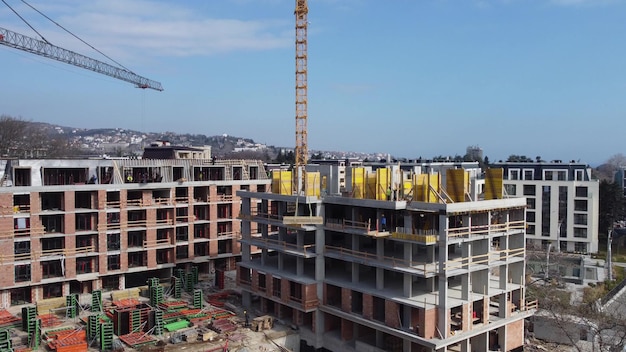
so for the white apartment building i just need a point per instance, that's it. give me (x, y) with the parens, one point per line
(562, 203)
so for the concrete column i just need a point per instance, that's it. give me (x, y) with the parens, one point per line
(299, 266)
(408, 285)
(281, 258)
(319, 266)
(466, 252)
(246, 298)
(430, 254)
(380, 278)
(444, 309)
(406, 345)
(503, 306)
(355, 273)
(380, 340)
(380, 249)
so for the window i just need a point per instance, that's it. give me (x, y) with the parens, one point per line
(580, 205)
(22, 273)
(529, 190)
(510, 190)
(529, 174)
(514, 174)
(580, 219)
(530, 203)
(580, 247)
(561, 175)
(581, 192)
(580, 175)
(530, 229)
(530, 216)
(547, 175)
(580, 232)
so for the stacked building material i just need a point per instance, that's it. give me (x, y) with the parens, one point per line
(223, 326)
(49, 320)
(8, 320)
(138, 339)
(69, 340)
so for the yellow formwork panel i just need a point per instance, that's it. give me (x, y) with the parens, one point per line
(382, 183)
(493, 183)
(313, 181)
(370, 192)
(457, 184)
(406, 188)
(281, 182)
(426, 187)
(358, 182)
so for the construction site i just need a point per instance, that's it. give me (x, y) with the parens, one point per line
(422, 257)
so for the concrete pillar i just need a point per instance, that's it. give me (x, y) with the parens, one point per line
(444, 309)
(408, 285)
(281, 258)
(246, 298)
(406, 345)
(380, 340)
(299, 266)
(466, 252)
(380, 279)
(503, 306)
(355, 273)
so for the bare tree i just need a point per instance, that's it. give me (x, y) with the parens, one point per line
(24, 139)
(589, 324)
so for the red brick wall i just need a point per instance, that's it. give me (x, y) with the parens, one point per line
(514, 335)
(284, 290)
(6, 241)
(368, 306)
(392, 314)
(466, 321)
(429, 323)
(346, 299)
(347, 330)
(150, 232)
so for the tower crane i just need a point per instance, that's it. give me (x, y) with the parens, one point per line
(301, 12)
(45, 49)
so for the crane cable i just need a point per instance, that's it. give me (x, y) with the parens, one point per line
(72, 34)
(28, 24)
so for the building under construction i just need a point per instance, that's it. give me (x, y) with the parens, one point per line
(421, 257)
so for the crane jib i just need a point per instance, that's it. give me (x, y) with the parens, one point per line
(42, 48)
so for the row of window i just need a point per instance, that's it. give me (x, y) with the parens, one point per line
(548, 175)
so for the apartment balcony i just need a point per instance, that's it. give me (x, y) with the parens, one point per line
(26, 232)
(467, 232)
(158, 244)
(14, 258)
(424, 269)
(366, 228)
(305, 251)
(484, 261)
(221, 198)
(162, 201)
(425, 237)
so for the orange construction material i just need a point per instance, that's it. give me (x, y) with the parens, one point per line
(126, 303)
(49, 320)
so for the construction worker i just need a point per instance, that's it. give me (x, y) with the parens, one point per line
(129, 178)
(383, 223)
(389, 193)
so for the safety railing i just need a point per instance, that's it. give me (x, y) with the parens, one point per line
(465, 232)
(282, 245)
(164, 242)
(424, 267)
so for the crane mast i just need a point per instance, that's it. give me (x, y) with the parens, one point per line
(302, 9)
(42, 48)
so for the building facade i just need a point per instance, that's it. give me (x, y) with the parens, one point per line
(563, 204)
(439, 269)
(73, 226)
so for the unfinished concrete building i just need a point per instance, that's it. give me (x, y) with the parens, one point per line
(399, 261)
(74, 226)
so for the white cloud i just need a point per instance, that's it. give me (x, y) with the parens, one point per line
(130, 29)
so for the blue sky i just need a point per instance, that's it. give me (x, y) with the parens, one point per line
(407, 77)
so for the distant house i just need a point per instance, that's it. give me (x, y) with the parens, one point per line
(164, 150)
